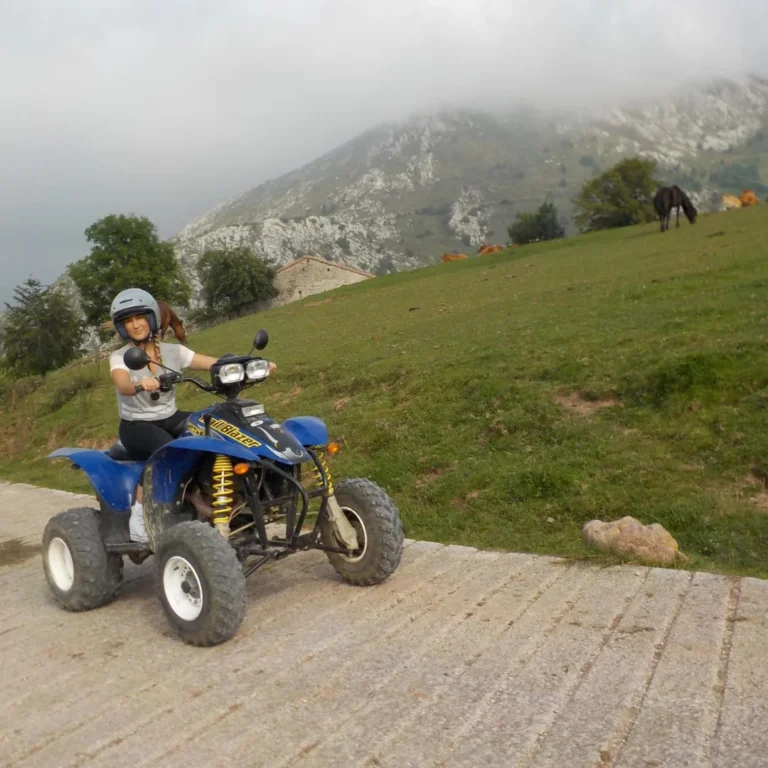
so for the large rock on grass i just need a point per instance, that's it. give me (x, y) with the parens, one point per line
(652, 544)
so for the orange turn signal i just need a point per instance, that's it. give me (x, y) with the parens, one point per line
(241, 468)
(332, 448)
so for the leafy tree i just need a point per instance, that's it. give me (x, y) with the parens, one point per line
(42, 332)
(127, 253)
(541, 225)
(234, 279)
(618, 197)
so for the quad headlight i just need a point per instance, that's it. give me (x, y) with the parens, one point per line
(249, 411)
(257, 369)
(231, 373)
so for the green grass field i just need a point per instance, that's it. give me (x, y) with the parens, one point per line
(503, 401)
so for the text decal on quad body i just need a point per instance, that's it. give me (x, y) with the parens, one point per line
(227, 429)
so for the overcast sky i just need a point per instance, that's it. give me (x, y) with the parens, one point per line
(164, 107)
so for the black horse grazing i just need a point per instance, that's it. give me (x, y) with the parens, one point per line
(668, 198)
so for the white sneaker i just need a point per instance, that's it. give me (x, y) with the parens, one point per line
(136, 527)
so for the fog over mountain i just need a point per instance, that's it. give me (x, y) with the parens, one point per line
(166, 109)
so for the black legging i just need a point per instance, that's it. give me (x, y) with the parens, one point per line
(142, 438)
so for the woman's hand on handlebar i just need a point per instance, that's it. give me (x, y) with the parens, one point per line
(150, 384)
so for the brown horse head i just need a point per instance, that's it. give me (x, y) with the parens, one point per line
(688, 207)
(178, 330)
(169, 319)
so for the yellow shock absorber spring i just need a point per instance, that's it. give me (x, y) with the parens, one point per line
(318, 475)
(222, 490)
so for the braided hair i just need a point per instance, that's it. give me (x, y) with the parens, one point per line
(153, 340)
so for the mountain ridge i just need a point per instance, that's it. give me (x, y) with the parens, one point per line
(401, 193)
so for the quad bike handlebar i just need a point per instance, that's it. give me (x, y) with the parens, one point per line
(223, 385)
(169, 380)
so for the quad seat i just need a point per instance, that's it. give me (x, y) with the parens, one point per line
(117, 452)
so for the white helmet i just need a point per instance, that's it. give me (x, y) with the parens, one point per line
(134, 301)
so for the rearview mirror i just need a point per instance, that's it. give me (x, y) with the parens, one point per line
(261, 340)
(136, 359)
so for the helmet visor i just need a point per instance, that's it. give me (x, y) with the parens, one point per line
(124, 314)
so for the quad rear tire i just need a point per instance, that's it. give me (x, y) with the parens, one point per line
(80, 572)
(201, 584)
(379, 529)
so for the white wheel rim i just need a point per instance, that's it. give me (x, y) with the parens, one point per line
(182, 588)
(60, 564)
(359, 526)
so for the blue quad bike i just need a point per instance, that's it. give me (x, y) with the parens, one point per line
(252, 471)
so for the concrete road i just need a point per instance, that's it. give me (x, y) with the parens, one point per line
(463, 658)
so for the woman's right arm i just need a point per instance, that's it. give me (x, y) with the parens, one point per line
(126, 386)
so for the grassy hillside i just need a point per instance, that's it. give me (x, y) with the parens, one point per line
(504, 401)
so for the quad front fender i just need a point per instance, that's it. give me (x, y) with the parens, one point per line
(114, 481)
(308, 430)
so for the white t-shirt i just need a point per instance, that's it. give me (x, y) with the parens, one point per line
(141, 407)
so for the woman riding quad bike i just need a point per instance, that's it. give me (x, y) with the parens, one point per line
(197, 490)
(149, 417)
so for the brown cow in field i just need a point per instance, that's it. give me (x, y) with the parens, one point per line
(446, 257)
(484, 249)
(748, 197)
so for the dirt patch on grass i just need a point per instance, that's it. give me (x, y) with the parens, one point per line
(97, 443)
(760, 500)
(431, 476)
(286, 397)
(461, 504)
(55, 437)
(318, 303)
(756, 478)
(435, 474)
(575, 402)
(17, 438)
(495, 429)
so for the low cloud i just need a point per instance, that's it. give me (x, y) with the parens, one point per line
(165, 108)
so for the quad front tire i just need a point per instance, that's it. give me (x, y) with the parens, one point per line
(80, 572)
(379, 529)
(201, 583)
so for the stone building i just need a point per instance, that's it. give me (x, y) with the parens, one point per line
(311, 274)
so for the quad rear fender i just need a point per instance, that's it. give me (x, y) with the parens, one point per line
(114, 481)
